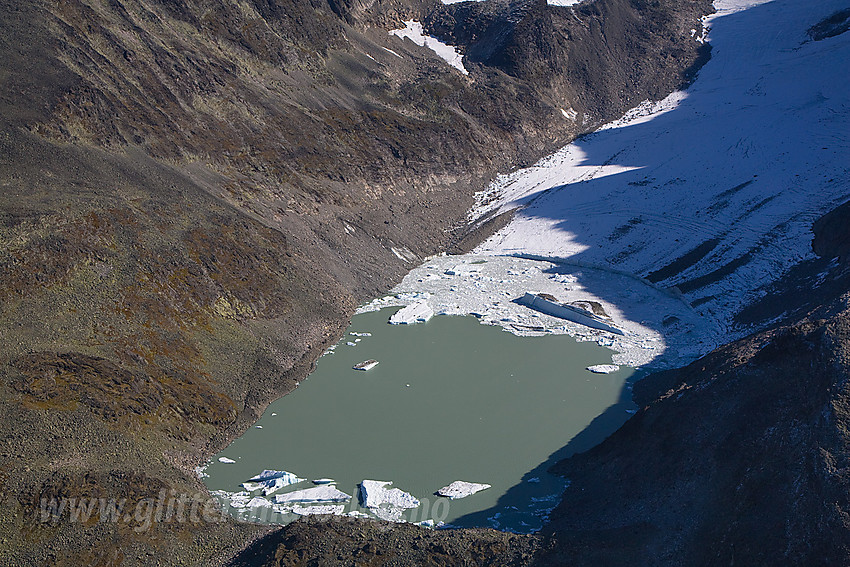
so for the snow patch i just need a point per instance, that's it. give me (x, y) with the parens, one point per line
(413, 32)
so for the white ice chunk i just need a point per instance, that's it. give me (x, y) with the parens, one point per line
(464, 270)
(419, 312)
(603, 368)
(356, 514)
(324, 493)
(271, 481)
(324, 509)
(270, 474)
(461, 489)
(389, 514)
(226, 460)
(237, 499)
(374, 494)
(258, 502)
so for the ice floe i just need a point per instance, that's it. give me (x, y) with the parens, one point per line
(603, 368)
(326, 493)
(235, 499)
(417, 312)
(226, 460)
(461, 489)
(366, 365)
(258, 502)
(270, 481)
(374, 494)
(492, 293)
(322, 509)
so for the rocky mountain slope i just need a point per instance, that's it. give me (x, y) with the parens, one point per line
(196, 195)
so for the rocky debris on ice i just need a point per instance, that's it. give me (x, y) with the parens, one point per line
(603, 368)
(461, 489)
(464, 270)
(325, 493)
(419, 312)
(374, 494)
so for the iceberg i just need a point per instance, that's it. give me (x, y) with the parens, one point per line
(271, 481)
(268, 474)
(461, 489)
(374, 494)
(271, 486)
(389, 514)
(603, 368)
(418, 312)
(545, 303)
(366, 365)
(356, 514)
(335, 509)
(226, 460)
(237, 499)
(325, 493)
(258, 502)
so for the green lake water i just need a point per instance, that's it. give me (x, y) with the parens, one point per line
(450, 400)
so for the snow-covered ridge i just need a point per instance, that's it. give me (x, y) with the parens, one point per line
(413, 32)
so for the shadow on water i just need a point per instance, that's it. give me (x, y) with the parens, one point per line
(712, 157)
(518, 497)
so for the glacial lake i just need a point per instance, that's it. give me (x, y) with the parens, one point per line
(450, 399)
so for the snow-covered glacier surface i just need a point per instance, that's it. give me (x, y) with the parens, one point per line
(703, 198)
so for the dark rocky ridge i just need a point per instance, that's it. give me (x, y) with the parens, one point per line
(196, 195)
